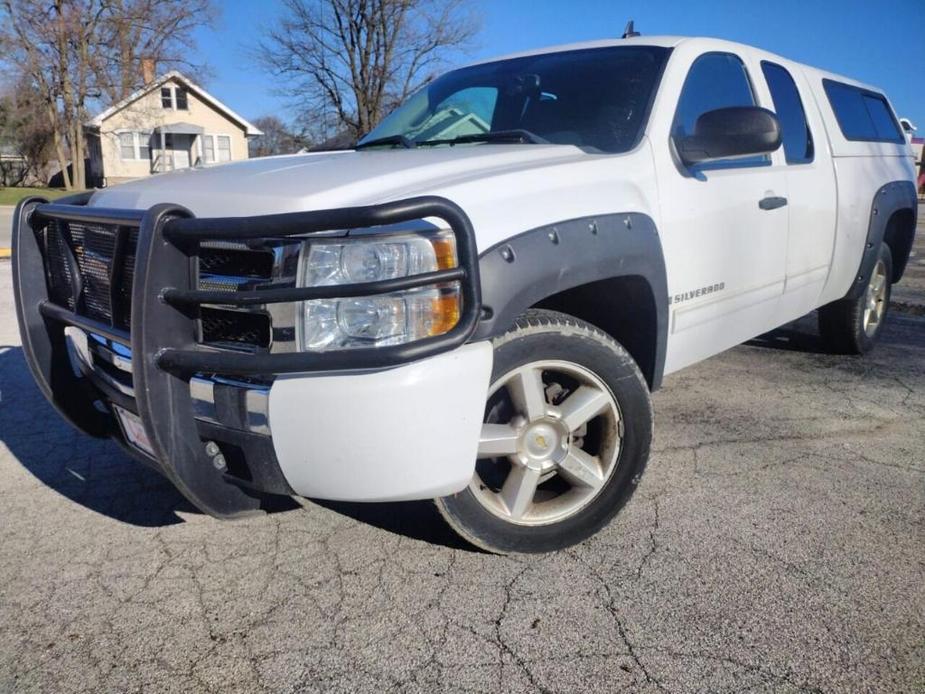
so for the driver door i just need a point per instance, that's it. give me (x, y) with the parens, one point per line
(724, 226)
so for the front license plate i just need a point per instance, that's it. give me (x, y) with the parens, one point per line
(134, 430)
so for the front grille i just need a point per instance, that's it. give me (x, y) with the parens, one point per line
(58, 266)
(123, 309)
(84, 261)
(235, 327)
(90, 270)
(235, 262)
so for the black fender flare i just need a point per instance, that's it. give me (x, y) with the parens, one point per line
(522, 271)
(891, 197)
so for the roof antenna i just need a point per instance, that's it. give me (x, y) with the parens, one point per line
(630, 31)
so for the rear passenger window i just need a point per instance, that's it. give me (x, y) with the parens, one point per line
(798, 141)
(862, 115)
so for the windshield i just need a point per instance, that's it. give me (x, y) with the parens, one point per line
(595, 98)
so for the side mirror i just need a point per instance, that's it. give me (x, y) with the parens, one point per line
(735, 131)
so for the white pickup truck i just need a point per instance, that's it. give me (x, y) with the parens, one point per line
(475, 302)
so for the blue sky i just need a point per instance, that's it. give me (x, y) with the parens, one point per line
(877, 41)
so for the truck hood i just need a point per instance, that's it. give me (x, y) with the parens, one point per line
(490, 182)
(326, 179)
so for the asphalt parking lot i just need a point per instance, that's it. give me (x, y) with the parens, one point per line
(776, 543)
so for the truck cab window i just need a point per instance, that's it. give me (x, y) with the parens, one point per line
(884, 123)
(862, 115)
(798, 141)
(715, 80)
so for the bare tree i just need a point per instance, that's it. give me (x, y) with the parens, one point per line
(49, 43)
(24, 130)
(277, 138)
(76, 53)
(157, 31)
(347, 63)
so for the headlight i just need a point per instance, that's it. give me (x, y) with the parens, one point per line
(384, 319)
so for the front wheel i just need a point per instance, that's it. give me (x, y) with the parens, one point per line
(565, 439)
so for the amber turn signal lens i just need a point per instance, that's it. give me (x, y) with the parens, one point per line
(445, 251)
(446, 310)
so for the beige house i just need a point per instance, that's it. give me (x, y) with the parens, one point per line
(169, 124)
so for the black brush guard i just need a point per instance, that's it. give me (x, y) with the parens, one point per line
(165, 303)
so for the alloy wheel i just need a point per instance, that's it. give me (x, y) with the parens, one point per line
(550, 442)
(875, 306)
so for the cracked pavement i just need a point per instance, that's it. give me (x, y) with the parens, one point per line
(776, 543)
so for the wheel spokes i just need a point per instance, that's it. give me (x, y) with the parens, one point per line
(497, 440)
(875, 303)
(528, 393)
(549, 410)
(519, 489)
(583, 405)
(581, 468)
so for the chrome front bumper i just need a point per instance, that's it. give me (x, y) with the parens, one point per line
(242, 406)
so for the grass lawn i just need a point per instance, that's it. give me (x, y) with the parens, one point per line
(10, 196)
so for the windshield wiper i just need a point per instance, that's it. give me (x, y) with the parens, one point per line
(518, 135)
(400, 140)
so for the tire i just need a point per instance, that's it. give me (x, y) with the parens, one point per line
(852, 326)
(545, 480)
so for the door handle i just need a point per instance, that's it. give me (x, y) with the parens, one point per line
(772, 202)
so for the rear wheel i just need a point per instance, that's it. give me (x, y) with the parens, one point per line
(852, 326)
(565, 438)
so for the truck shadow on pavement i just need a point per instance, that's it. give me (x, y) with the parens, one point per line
(801, 335)
(99, 476)
(418, 520)
(92, 472)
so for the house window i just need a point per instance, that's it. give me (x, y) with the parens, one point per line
(180, 96)
(144, 146)
(127, 145)
(135, 146)
(167, 97)
(216, 148)
(224, 148)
